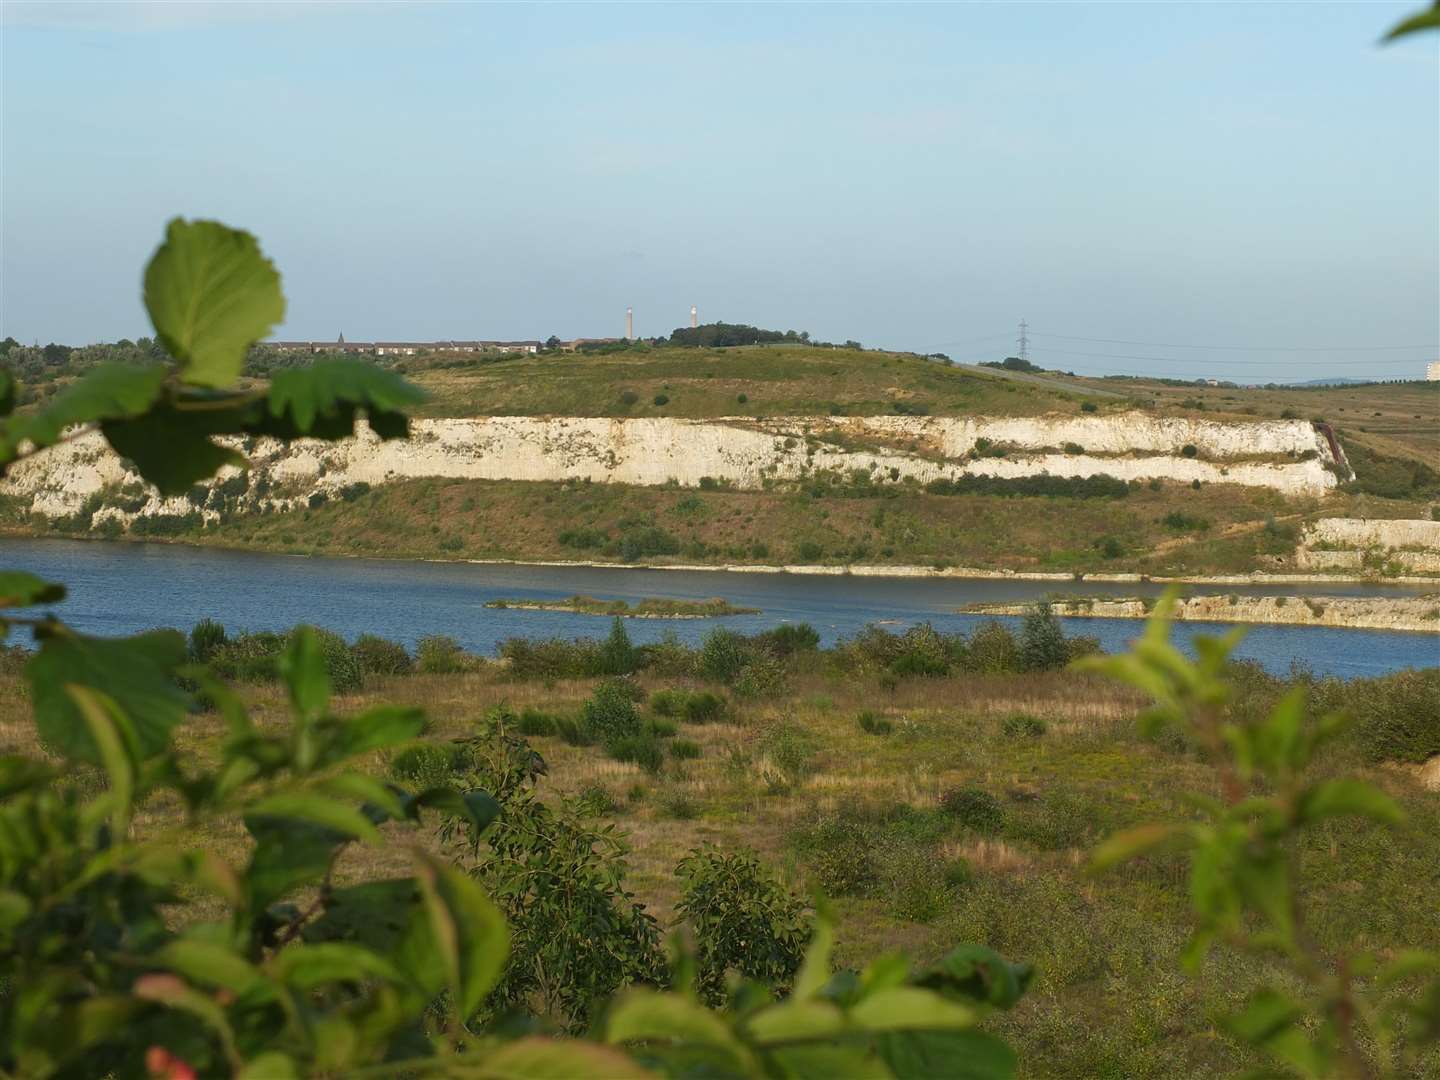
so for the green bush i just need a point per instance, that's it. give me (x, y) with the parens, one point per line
(661, 727)
(808, 551)
(1023, 726)
(341, 664)
(840, 852)
(973, 808)
(618, 656)
(610, 712)
(552, 658)
(206, 637)
(668, 702)
(722, 655)
(572, 732)
(437, 654)
(249, 657)
(594, 801)
(662, 399)
(428, 765)
(703, 707)
(789, 749)
(991, 649)
(743, 921)
(1397, 716)
(873, 724)
(762, 676)
(684, 749)
(913, 883)
(640, 749)
(380, 656)
(788, 638)
(534, 723)
(1042, 641)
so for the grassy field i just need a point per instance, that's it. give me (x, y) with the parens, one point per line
(1058, 758)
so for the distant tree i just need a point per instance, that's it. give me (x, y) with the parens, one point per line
(552, 342)
(1042, 642)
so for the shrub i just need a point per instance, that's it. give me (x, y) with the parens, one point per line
(762, 676)
(342, 665)
(572, 732)
(249, 657)
(206, 636)
(610, 713)
(662, 399)
(594, 801)
(921, 650)
(618, 656)
(742, 398)
(668, 702)
(684, 749)
(808, 551)
(535, 723)
(722, 655)
(642, 750)
(1189, 450)
(582, 538)
(662, 727)
(788, 639)
(427, 765)
(1088, 406)
(914, 883)
(380, 656)
(788, 748)
(1183, 522)
(973, 808)
(991, 649)
(1397, 716)
(1042, 641)
(1073, 448)
(873, 724)
(1023, 726)
(743, 921)
(552, 658)
(841, 854)
(628, 397)
(642, 540)
(677, 803)
(703, 707)
(437, 654)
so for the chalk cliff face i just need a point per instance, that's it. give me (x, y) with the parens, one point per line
(1354, 544)
(1412, 613)
(1287, 456)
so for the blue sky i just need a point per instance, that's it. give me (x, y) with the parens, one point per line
(918, 176)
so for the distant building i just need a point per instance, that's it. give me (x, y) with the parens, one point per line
(400, 348)
(571, 346)
(1432, 372)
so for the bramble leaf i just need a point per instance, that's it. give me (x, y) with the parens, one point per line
(211, 294)
(106, 392)
(956, 1055)
(976, 973)
(476, 807)
(170, 448)
(468, 931)
(1421, 20)
(1130, 844)
(313, 964)
(548, 1059)
(646, 1015)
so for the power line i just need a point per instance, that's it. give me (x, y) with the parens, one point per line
(1242, 348)
(1022, 343)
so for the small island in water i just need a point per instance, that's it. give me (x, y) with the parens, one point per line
(649, 608)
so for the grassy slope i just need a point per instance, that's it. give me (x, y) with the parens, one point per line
(472, 519)
(1109, 999)
(777, 381)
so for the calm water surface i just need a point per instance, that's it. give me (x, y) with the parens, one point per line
(118, 588)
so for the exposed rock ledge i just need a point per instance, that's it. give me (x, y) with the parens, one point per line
(1416, 614)
(741, 452)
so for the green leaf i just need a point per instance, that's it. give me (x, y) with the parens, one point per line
(114, 738)
(137, 673)
(19, 774)
(976, 973)
(323, 400)
(1421, 20)
(7, 393)
(108, 391)
(171, 448)
(375, 914)
(211, 294)
(1131, 844)
(1278, 745)
(547, 1059)
(367, 790)
(288, 854)
(910, 1008)
(1347, 798)
(827, 1061)
(793, 1021)
(468, 931)
(316, 809)
(19, 589)
(956, 1055)
(321, 963)
(15, 908)
(302, 667)
(814, 970)
(647, 1015)
(271, 1065)
(476, 807)
(1273, 1022)
(209, 963)
(375, 729)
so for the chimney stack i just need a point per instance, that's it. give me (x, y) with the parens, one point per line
(694, 317)
(629, 324)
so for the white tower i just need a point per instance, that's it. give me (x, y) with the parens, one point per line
(694, 317)
(629, 324)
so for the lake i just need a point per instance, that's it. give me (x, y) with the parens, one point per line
(119, 588)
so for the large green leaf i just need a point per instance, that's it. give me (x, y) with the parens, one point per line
(109, 391)
(1421, 20)
(313, 964)
(549, 1059)
(287, 855)
(172, 448)
(476, 807)
(468, 931)
(375, 914)
(322, 401)
(211, 294)
(1348, 798)
(137, 673)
